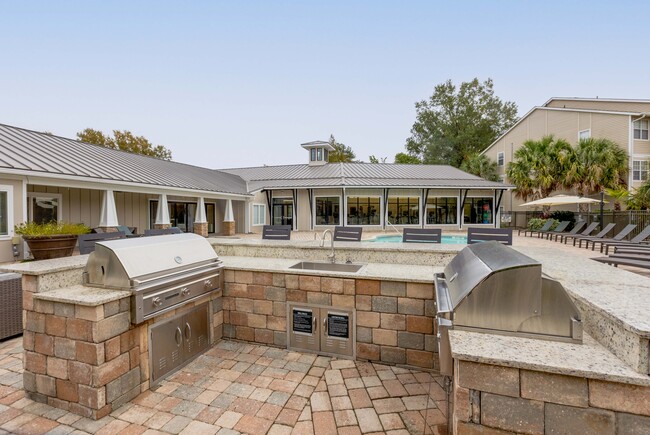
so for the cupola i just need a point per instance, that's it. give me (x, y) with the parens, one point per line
(318, 152)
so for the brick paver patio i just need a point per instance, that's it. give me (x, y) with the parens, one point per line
(242, 388)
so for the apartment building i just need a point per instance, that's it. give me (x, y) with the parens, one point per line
(625, 122)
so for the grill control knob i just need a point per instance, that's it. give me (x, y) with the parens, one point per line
(157, 302)
(207, 283)
(185, 291)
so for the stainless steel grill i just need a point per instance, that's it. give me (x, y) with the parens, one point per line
(489, 287)
(162, 272)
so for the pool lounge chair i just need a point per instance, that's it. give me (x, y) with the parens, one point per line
(276, 232)
(559, 229)
(617, 261)
(617, 238)
(637, 241)
(347, 234)
(600, 235)
(590, 229)
(87, 241)
(478, 235)
(422, 235)
(576, 227)
(547, 226)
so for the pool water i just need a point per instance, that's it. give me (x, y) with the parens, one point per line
(398, 239)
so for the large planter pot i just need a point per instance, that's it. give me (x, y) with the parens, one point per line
(48, 247)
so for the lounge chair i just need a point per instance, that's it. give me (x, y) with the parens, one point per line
(559, 229)
(478, 235)
(87, 241)
(616, 261)
(162, 231)
(600, 235)
(637, 241)
(617, 238)
(547, 226)
(347, 234)
(590, 229)
(276, 232)
(577, 227)
(422, 235)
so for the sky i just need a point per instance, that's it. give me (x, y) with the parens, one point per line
(238, 84)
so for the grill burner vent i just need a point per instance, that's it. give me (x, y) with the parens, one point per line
(496, 289)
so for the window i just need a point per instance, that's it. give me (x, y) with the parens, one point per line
(478, 211)
(500, 159)
(441, 211)
(312, 154)
(182, 214)
(259, 214)
(641, 129)
(6, 210)
(327, 155)
(640, 170)
(319, 154)
(584, 134)
(363, 210)
(404, 210)
(44, 208)
(328, 210)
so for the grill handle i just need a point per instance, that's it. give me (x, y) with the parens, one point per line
(178, 336)
(188, 331)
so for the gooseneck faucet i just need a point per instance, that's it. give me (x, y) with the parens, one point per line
(331, 257)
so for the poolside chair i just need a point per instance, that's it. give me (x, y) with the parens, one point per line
(276, 232)
(600, 235)
(617, 238)
(347, 234)
(162, 231)
(422, 235)
(87, 241)
(559, 229)
(616, 261)
(636, 241)
(478, 235)
(547, 226)
(576, 227)
(590, 229)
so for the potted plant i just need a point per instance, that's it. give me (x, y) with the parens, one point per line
(52, 239)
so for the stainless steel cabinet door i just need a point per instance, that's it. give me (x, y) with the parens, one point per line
(195, 331)
(337, 333)
(303, 328)
(166, 347)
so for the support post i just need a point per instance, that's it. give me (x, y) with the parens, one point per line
(228, 220)
(108, 215)
(200, 221)
(162, 213)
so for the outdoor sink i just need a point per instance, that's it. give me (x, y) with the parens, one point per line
(329, 267)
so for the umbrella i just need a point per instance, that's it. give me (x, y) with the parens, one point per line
(561, 200)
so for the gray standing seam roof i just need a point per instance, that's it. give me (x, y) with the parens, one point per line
(361, 175)
(37, 152)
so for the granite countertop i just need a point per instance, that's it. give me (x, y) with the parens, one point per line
(589, 359)
(43, 267)
(83, 295)
(387, 272)
(621, 295)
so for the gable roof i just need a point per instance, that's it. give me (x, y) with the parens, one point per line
(361, 175)
(26, 151)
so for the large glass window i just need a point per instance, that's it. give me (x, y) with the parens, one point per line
(404, 210)
(312, 154)
(479, 211)
(182, 214)
(641, 129)
(640, 170)
(259, 214)
(319, 154)
(4, 212)
(327, 210)
(282, 211)
(43, 208)
(363, 210)
(442, 211)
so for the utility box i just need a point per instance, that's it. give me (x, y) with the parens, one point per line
(321, 329)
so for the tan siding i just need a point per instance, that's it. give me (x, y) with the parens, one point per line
(537, 124)
(602, 105)
(585, 120)
(564, 125)
(613, 127)
(641, 147)
(303, 210)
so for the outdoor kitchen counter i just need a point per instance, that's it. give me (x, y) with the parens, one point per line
(83, 295)
(379, 271)
(44, 267)
(590, 359)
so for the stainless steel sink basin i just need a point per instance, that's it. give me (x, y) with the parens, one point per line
(329, 267)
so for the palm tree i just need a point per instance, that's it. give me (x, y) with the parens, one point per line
(539, 167)
(596, 164)
(620, 195)
(640, 199)
(481, 165)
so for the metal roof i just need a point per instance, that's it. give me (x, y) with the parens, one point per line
(41, 153)
(361, 175)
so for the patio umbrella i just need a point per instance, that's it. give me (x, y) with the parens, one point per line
(561, 200)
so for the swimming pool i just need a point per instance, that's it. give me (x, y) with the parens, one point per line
(398, 239)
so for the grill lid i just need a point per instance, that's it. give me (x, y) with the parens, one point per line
(126, 263)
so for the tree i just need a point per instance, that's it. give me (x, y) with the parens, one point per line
(407, 159)
(341, 153)
(482, 166)
(126, 141)
(539, 167)
(640, 199)
(455, 123)
(596, 164)
(374, 159)
(620, 195)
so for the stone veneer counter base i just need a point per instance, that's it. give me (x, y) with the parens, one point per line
(589, 360)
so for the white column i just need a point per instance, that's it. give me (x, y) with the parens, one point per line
(162, 214)
(108, 215)
(247, 216)
(228, 216)
(200, 217)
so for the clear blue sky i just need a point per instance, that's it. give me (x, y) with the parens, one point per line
(230, 84)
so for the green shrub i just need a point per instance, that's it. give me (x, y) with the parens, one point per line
(562, 215)
(33, 229)
(535, 224)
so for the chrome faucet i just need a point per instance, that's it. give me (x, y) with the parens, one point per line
(332, 256)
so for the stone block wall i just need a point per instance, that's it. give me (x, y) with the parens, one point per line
(496, 399)
(394, 319)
